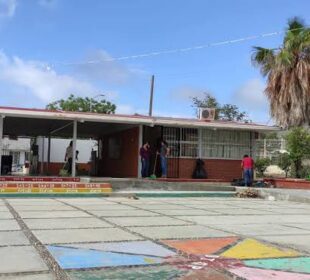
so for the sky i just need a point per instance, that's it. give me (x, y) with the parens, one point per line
(50, 49)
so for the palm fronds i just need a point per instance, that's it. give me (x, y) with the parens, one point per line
(288, 76)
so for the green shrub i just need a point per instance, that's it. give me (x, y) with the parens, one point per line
(284, 161)
(305, 172)
(261, 165)
(298, 145)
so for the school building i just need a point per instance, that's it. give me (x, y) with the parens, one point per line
(221, 144)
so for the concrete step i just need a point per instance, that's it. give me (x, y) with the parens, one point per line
(172, 194)
(127, 184)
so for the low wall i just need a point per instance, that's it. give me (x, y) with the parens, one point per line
(289, 183)
(126, 166)
(216, 168)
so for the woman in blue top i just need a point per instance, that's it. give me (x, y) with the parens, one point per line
(163, 153)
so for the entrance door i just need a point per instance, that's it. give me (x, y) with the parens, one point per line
(172, 136)
(154, 135)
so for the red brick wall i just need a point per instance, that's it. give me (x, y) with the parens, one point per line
(285, 183)
(216, 168)
(127, 164)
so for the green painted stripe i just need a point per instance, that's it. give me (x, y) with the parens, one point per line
(138, 194)
(190, 194)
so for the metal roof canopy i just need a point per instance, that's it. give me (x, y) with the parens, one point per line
(33, 122)
(29, 127)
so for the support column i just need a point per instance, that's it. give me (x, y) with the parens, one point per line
(48, 154)
(1, 142)
(139, 146)
(200, 143)
(43, 156)
(74, 148)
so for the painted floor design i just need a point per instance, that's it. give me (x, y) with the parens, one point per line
(253, 249)
(152, 238)
(74, 258)
(211, 258)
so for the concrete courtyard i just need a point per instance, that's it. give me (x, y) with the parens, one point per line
(154, 238)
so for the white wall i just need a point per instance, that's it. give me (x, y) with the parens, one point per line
(58, 149)
(21, 144)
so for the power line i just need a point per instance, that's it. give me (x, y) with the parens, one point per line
(179, 50)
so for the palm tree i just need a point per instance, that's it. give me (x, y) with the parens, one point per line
(288, 75)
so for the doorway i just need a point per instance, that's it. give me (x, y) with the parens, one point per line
(154, 136)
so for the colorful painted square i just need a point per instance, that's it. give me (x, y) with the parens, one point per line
(301, 264)
(253, 249)
(259, 274)
(70, 258)
(135, 273)
(146, 248)
(201, 246)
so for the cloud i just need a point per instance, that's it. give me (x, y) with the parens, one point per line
(127, 109)
(251, 94)
(7, 8)
(100, 66)
(186, 93)
(42, 82)
(250, 97)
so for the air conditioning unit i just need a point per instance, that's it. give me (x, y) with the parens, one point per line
(207, 114)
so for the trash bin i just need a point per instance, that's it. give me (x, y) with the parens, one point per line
(6, 165)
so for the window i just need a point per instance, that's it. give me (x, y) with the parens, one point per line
(27, 156)
(189, 142)
(172, 136)
(228, 144)
(15, 157)
(183, 142)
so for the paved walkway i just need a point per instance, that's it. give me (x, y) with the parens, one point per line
(154, 238)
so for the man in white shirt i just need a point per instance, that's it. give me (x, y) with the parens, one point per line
(69, 156)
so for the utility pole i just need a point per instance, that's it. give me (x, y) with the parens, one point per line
(151, 96)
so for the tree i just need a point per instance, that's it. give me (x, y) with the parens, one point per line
(227, 112)
(208, 101)
(80, 104)
(230, 112)
(298, 146)
(287, 69)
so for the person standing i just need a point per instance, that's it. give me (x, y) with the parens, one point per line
(163, 153)
(145, 159)
(247, 166)
(68, 157)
